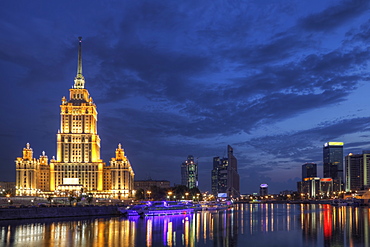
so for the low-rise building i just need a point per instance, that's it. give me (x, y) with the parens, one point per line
(147, 184)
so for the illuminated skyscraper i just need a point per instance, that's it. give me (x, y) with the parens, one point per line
(333, 163)
(357, 171)
(215, 175)
(264, 190)
(189, 173)
(224, 175)
(78, 166)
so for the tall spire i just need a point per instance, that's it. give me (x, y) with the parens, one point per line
(79, 79)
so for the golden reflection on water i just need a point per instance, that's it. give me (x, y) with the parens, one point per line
(197, 232)
(319, 225)
(169, 234)
(186, 232)
(149, 231)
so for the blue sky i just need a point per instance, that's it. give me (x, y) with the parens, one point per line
(275, 80)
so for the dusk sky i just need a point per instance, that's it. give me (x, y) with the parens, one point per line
(273, 79)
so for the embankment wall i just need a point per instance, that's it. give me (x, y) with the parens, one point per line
(52, 212)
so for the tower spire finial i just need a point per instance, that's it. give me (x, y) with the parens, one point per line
(79, 66)
(79, 79)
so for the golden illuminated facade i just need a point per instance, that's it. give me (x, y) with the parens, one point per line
(78, 164)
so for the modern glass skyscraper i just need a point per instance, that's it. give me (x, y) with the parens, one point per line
(264, 190)
(309, 170)
(333, 163)
(357, 171)
(189, 173)
(214, 175)
(224, 176)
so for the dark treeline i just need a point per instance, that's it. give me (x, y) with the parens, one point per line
(178, 192)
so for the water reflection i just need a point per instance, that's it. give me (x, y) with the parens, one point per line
(246, 224)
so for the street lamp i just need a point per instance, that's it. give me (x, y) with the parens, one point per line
(186, 194)
(169, 194)
(148, 192)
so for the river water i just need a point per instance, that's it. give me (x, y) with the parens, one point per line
(244, 225)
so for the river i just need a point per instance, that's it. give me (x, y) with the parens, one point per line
(244, 225)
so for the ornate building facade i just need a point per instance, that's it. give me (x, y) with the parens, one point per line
(78, 166)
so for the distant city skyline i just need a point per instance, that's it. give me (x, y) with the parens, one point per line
(274, 80)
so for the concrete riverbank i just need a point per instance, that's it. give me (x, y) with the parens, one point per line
(56, 212)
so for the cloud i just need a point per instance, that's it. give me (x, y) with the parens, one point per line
(334, 16)
(177, 105)
(301, 146)
(361, 34)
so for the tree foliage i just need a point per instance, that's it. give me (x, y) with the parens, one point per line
(157, 193)
(89, 198)
(139, 195)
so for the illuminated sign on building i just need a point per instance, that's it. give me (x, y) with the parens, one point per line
(222, 195)
(334, 144)
(308, 179)
(70, 180)
(326, 180)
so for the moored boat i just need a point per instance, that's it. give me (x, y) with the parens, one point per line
(154, 208)
(132, 210)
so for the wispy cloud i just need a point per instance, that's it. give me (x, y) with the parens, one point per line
(336, 15)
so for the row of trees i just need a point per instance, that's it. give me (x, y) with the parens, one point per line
(178, 192)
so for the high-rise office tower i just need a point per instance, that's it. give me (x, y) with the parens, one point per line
(214, 175)
(357, 171)
(189, 173)
(264, 190)
(78, 166)
(333, 163)
(224, 176)
(309, 170)
(219, 176)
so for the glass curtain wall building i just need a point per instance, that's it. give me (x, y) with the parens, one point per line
(224, 175)
(357, 171)
(189, 173)
(309, 170)
(333, 163)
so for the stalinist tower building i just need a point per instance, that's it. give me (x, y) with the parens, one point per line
(78, 167)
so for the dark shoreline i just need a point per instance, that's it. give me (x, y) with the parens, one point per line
(56, 212)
